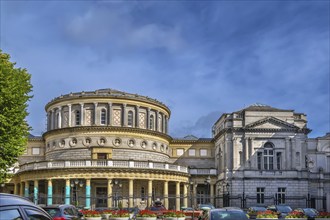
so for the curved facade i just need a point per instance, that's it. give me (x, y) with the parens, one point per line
(105, 148)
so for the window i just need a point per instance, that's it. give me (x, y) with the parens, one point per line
(101, 156)
(35, 151)
(203, 152)
(34, 214)
(268, 156)
(278, 160)
(143, 193)
(10, 214)
(192, 152)
(103, 116)
(297, 158)
(77, 117)
(179, 152)
(240, 158)
(151, 123)
(130, 119)
(280, 195)
(260, 195)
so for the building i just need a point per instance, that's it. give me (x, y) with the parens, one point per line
(107, 148)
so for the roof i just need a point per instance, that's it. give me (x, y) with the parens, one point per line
(261, 107)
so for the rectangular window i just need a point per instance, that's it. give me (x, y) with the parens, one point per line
(281, 195)
(179, 152)
(259, 160)
(260, 195)
(35, 151)
(192, 152)
(101, 156)
(103, 117)
(268, 159)
(278, 160)
(203, 152)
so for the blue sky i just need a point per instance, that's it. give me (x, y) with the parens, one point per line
(200, 58)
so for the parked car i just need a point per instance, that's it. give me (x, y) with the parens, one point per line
(228, 214)
(200, 206)
(158, 209)
(253, 211)
(63, 212)
(283, 210)
(17, 207)
(309, 212)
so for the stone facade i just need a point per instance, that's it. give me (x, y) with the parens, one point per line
(106, 146)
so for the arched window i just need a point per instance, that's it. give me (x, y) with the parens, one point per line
(103, 118)
(130, 119)
(77, 115)
(266, 157)
(151, 122)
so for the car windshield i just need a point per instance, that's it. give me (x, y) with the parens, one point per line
(310, 212)
(258, 208)
(206, 205)
(285, 209)
(53, 212)
(228, 215)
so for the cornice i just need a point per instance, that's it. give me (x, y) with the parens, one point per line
(106, 129)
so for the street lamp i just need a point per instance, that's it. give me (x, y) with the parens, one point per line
(226, 189)
(75, 184)
(117, 184)
(207, 183)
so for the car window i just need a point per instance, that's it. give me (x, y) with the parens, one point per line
(11, 214)
(53, 212)
(34, 214)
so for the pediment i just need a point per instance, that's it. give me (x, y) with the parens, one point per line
(270, 123)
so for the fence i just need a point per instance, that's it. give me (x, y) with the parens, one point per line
(222, 200)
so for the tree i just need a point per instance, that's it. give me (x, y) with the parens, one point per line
(15, 87)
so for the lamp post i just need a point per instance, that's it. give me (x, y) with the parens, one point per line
(207, 183)
(117, 184)
(226, 189)
(75, 184)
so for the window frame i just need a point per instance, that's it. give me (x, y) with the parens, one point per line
(103, 117)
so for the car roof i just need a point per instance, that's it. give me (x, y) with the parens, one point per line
(10, 199)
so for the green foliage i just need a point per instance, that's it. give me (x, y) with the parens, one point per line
(15, 87)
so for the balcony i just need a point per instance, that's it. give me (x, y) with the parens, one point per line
(201, 171)
(101, 164)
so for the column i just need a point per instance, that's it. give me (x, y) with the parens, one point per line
(149, 192)
(185, 195)
(177, 196)
(246, 152)
(69, 117)
(82, 114)
(249, 151)
(94, 115)
(21, 193)
(194, 195)
(212, 193)
(109, 113)
(53, 119)
(15, 188)
(164, 127)
(48, 121)
(109, 193)
(123, 114)
(166, 194)
(157, 121)
(26, 189)
(67, 191)
(148, 118)
(50, 192)
(130, 192)
(88, 193)
(287, 154)
(59, 117)
(35, 192)
(137, 117)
